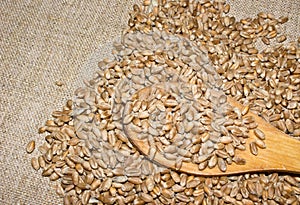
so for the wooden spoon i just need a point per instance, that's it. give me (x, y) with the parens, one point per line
(282, 153)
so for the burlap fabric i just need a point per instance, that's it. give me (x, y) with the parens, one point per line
(42, 42)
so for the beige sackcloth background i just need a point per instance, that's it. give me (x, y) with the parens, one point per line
(42, 42)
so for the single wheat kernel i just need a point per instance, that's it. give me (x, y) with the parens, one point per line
(30, 147)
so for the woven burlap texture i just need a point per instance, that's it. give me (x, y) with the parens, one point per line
(42, 42)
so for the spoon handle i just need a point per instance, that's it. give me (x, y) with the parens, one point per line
(282, 152)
